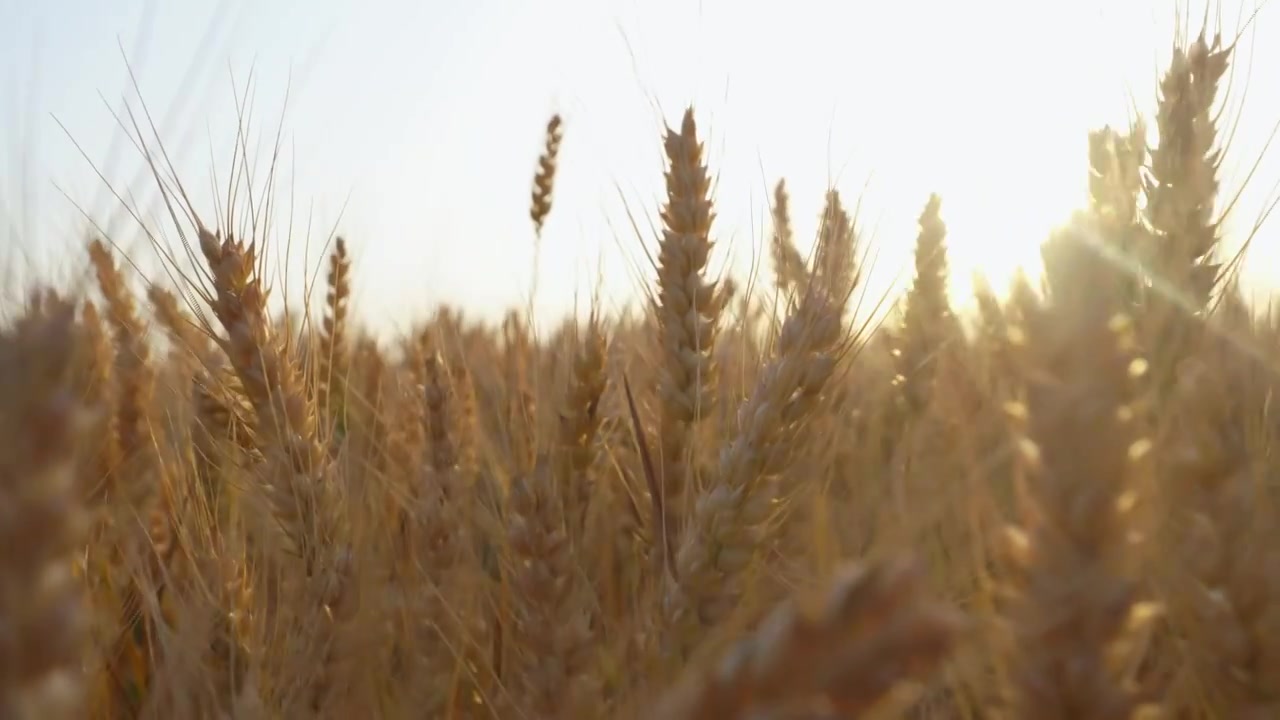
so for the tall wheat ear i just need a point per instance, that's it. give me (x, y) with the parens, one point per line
(733, 517)
(1072, 594)
(688, 316)
(297, 481)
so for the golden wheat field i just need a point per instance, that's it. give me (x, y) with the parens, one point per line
(743, 502)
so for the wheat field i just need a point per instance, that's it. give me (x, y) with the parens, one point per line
(741, 502)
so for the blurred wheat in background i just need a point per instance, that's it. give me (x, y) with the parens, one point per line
(744, 501)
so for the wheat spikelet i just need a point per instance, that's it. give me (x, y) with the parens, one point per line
(185, 335)
(1183, 185)
(579, 424)
(544, 178)
(333, 365)
(687, 314)
(270, 383)
(552, 628)
(1181, 191)
(731, 517)
(95, 375)
(928, 324)
(789, 273)
(133, 372)
(834, 264)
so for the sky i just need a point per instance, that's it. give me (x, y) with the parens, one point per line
(413, 129)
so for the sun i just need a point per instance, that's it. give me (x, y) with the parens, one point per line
(996, 229)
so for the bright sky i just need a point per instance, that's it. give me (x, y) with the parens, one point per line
(424, 120)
